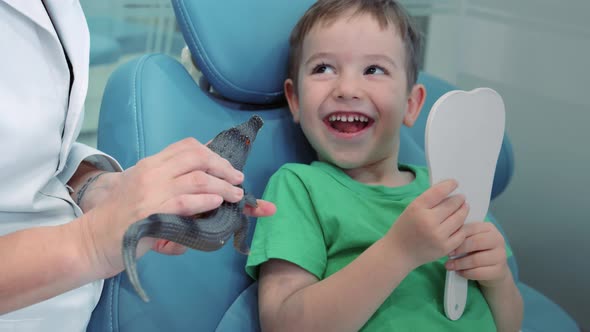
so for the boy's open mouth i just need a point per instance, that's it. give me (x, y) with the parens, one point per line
(348, 122)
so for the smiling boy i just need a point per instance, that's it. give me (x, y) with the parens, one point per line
(359, 241)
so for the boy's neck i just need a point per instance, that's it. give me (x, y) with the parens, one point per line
(383, 172)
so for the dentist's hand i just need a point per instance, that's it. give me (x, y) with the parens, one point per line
(186, 178)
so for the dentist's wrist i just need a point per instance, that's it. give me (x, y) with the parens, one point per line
(90, 185)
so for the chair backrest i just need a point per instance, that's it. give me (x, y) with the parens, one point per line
(151, 102)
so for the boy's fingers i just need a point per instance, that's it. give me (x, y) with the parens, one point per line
(480, 273)
(456, 220)
(264, 209)
(485, 273)
(475, 260)
(477, 242)
(436, 194)
(450, 206)
(456, 239)
(473, 228)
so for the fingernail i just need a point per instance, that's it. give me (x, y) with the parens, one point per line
(238, 192)
(449, 265)
(453, 253)
(239, 175)
(217, 199)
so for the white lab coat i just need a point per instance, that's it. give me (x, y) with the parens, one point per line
(39, 123)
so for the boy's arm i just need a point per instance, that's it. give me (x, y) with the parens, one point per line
(506, 304)
(292, 299)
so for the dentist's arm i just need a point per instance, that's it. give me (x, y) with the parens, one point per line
(185, 178)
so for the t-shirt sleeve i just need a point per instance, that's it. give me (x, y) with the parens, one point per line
(293, 233)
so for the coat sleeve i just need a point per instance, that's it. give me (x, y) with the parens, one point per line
(81, 152)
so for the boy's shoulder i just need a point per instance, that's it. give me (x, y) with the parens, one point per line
(306, 173)
(296, 167)
(321, 169)
(298, 170)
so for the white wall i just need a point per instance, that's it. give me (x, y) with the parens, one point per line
(536, 53)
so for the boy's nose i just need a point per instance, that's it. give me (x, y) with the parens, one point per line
(347, 87)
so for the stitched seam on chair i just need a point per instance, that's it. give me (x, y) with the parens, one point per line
(115, 291)
(134, 98)
(110, 304)
(137, 107)
(207, 63)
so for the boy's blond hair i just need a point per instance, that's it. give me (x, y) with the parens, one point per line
(385, 12)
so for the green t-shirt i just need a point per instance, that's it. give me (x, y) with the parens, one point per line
(325, 220)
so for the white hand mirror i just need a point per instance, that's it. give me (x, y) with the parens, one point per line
(464, 135)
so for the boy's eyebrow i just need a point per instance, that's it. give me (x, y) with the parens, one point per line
(382, 57)
(373, 57)
(316, 56)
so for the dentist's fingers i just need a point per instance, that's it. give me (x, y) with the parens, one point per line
(167, 247)
(189, 155)
(189, 143)
(206, 161)
(188, 205)
(199, 182)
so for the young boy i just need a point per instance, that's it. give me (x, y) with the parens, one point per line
(360, 241)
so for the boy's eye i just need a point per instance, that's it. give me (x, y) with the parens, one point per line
(375, 70)
(322, 69)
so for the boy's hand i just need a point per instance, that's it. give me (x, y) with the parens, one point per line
(430, 227)
(485, 251)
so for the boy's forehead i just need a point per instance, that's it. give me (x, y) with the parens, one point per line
(360, 29)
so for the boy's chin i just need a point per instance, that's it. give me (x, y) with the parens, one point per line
(344, 162)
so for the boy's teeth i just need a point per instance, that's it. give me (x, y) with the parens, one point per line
(349, 118)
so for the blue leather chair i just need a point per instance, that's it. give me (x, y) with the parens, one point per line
(151, 102)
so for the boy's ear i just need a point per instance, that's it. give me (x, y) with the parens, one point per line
(416, 100)
(292, 99)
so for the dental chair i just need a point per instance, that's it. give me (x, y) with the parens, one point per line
(151, 102)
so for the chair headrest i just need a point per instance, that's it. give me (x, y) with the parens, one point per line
(233, 41)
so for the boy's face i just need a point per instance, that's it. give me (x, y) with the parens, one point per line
(352, 95)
